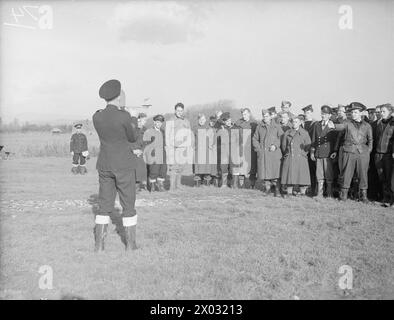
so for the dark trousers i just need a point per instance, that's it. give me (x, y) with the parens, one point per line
(78, 158)
(383, 163)
(312, 174)
(157, 171)
(355, 162)
(123, 182)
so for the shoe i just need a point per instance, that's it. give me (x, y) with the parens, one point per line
(82, 170)
(74, 170)
(160, 185)
(329, 190)
(364, 196)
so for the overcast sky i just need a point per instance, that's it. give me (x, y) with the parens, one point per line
(256, 53)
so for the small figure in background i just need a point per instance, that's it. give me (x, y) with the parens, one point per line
(79, 150)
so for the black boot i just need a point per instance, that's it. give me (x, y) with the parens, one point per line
(100, 231)
(131, 235)
(329, 190)
(343, 194)
(364, 196)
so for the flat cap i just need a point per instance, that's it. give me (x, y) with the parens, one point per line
(158, 117)
(110, 90)
(357, 106)
(326, 109)
(78, 125)
(307, 108)
(225, 116)
(272, 110)
(284, 102)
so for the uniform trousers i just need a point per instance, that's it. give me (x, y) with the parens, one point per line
(324, 169)
(121, 181)
(355, 162)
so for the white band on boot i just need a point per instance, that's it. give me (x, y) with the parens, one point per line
(129, 221)
(102, 219)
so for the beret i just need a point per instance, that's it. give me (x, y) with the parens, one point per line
(357, 106)
(326, 109)
(110, 90)
(225, 116)
(272, 110)
(179, 104)
(158, 117)
(308, 107)
(284, 102)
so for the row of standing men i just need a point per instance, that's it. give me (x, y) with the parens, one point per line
(349, 148)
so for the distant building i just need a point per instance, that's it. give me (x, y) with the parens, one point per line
(56, 131)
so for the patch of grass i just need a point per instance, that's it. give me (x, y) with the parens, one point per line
(195, 243)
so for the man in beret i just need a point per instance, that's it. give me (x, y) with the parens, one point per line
(79, 150)
(357, 146)
(117, 130)
(323, 141)
(179, 146)
(248, 167)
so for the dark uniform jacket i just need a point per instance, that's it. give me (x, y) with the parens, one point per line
(323, 140)
(117, 130)
(78, 143)
(308, 126)
(383, 135)
(357, 136)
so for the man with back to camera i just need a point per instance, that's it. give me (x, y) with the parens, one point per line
(117, 130)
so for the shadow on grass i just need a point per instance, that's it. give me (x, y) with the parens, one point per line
(115, 216)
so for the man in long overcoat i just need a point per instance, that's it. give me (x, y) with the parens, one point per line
(295, 146)
(266, 143)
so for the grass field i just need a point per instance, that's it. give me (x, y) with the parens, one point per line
(194, 243)
(43, 144)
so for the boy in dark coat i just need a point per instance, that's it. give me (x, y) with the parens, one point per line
(79, 150)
